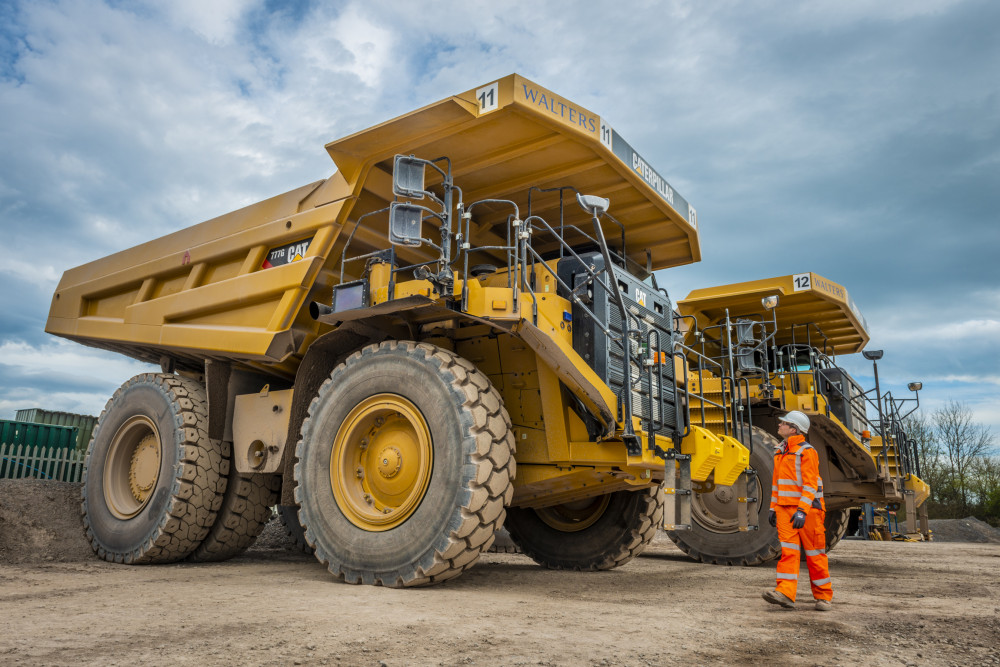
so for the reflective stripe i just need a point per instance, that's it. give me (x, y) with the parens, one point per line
(793, 577)
(792, 546)
(784, 481)
(818, 582)
(789, 494)
(798, 462)
(814, 552)
(810, 490)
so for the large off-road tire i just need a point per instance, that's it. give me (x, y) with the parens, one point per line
(836, 526)
(404, 466)
(152, 478)
(289, 515)
(244, 511)
(714, 536)
(595, 534)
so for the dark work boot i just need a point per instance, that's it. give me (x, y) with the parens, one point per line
(774, 597)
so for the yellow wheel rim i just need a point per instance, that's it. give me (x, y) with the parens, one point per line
(381, 462)
(575, 516)
(132, 467)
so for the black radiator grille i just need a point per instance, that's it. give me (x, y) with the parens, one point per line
(606, 356)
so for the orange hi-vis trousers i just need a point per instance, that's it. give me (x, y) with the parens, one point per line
(811, 538)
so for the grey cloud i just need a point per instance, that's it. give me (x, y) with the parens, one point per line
(857, 141)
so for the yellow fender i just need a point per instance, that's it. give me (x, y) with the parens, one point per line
(705, 450)
(920, 488)
(735, 459)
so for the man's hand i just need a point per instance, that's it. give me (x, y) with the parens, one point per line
(772, 518)
(798, 519)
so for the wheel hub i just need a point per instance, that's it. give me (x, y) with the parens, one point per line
(389, 462)
(724, 494)
(145, 467)
(381, 461)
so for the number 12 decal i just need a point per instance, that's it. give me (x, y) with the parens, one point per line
(488, 97)
(801, 281)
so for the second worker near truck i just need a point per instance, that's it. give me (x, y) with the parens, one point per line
(798, 511)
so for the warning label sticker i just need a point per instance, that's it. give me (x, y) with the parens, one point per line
(286, 254)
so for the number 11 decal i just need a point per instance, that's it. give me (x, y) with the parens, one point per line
(488, 97)
(606, 134)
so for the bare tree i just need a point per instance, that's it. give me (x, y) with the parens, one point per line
(930, 464)
(962, 442)
(986, 486)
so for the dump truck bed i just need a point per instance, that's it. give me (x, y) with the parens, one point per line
(805, 298)
(237, 287)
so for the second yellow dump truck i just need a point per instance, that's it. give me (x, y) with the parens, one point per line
(758, 349)
(460, 325)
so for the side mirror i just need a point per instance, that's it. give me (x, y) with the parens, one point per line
(770, 302)
(405, 224)
(872, 355)
(915, 386)
(408, 177)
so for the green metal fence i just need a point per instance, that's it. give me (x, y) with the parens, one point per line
(38, 435)
(61, 464)
(85, 423)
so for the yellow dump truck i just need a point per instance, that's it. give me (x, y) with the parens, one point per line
(758, 349)
(469, 295)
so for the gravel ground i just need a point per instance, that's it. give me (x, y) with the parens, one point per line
(896, 603)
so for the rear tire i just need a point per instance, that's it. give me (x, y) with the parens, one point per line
(289, 515)
(836, 526)
(152, 478)
(404, 466)
(245, 510)
(714, 536)
(502, 543)
(600, 533)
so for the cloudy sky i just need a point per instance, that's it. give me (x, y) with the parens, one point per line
(859, 140)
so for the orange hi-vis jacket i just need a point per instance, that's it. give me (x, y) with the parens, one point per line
(796, 478)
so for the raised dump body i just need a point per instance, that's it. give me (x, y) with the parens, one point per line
(777, 340)
(238, 286)
(471, 292)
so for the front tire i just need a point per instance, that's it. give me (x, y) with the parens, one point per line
(404, 466)
(152, 478)
(714, 536)
(598, 533)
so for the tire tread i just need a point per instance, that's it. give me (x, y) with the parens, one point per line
(199, 481)
(493, 461)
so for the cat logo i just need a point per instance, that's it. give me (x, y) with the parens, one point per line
(640, 297)
(286, 254)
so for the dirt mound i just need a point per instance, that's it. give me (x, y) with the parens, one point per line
(40, 521)
(969, 529)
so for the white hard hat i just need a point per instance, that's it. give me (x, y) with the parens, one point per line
(797, 419)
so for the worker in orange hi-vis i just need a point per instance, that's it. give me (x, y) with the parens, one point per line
(797, 511)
